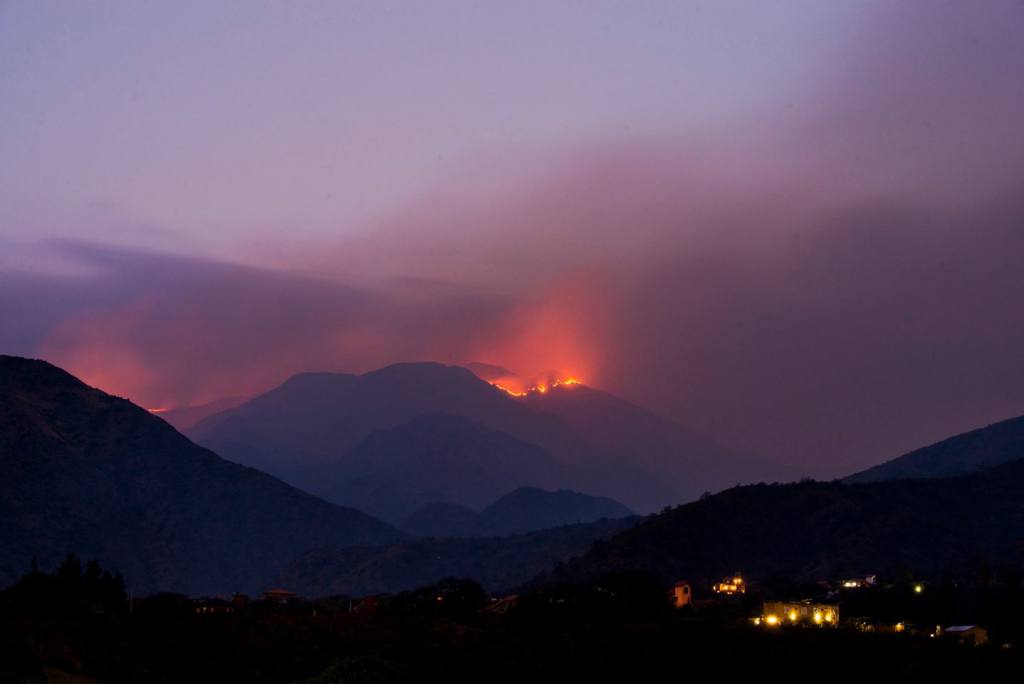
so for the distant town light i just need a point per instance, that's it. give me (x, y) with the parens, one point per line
(796, 613)
(730, 585)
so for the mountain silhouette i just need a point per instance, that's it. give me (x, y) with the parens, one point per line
(498, 563)
(94, 474)
(434, 458)
(965, 453)
(440, 520)
(812, 531)
(654, 445)
(590, 440)
(184, 417)
(526, 509)
(316, 418)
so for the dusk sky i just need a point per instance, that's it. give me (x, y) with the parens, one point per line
(796, 227)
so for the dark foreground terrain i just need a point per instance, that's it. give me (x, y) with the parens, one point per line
(621, 630)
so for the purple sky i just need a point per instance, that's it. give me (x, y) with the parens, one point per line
(795, 226)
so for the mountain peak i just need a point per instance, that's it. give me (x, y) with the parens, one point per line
(120, 485)
(574, 436)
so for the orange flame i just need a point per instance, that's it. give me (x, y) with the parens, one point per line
(540, 387)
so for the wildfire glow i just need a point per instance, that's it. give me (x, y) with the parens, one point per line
(161, 409)
(540, 387)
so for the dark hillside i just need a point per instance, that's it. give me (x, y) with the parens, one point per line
(87, 472)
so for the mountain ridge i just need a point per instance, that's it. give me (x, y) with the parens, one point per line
(498, 563)
(294, 434)
(433, 458)
(810, 531)
(523, 510)
(968, 452)
(97, 475)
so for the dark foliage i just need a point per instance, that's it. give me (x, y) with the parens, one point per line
(498, 563)
(611, 631)
(70, 591)
(819, 531)
(451, 597)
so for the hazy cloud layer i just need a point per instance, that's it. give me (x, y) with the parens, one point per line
(828, 284)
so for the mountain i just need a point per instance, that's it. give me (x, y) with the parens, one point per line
(489, 371)
(314, 419)
(816, 530)
(94, 474)
(966, 453)
(305, 429)
(655, 444)
(525, 509)
(433, 458)
(184, 417)
(499, 564)
(529, 508)
(439, 520)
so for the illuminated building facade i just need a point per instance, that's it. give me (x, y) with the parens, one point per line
(858, 582)
(731, 585)
(798, 613)
(682, 594)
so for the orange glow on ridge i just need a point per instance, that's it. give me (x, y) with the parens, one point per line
(540, 387)
(507, 390)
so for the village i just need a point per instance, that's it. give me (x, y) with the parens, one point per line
(621, 623)
(861, 604)
(823, 611)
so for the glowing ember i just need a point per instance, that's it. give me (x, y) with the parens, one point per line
(506, 390)
(540, 388)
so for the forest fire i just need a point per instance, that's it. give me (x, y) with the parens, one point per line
(540, 388)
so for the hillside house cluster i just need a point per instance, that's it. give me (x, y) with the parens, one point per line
(730, 586)
(798, 613)
(858, 582)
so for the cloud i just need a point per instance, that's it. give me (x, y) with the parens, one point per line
(172, 330)
(829, 287)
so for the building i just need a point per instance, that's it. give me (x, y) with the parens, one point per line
(502, 605)
(798, 613)
(279, 596)
(682, 594)
(970, 634)
(862, 624)
(730, 586)
(858, 582)
(209, 606)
